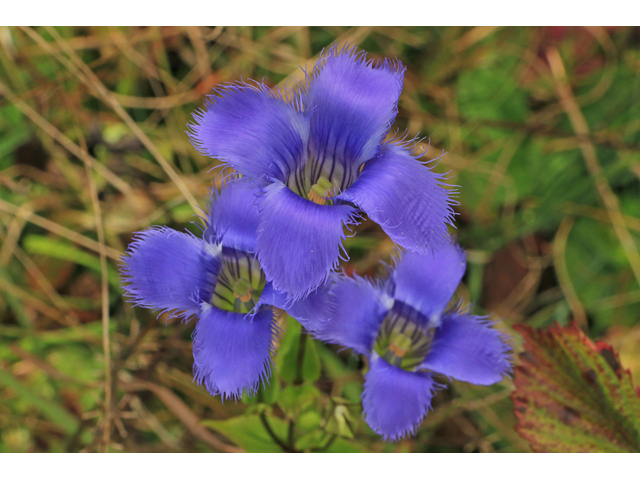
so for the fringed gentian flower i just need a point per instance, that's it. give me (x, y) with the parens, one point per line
(404, 329)
(318, 158)
(217, 279)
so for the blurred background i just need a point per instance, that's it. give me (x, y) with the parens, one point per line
(541, 127)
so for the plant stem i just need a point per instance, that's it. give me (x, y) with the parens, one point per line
(302, 346)
(298, 380)
(272, 434)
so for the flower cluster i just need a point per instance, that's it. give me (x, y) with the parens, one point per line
(307, 164)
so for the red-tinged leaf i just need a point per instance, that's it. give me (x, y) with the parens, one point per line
(572, 395)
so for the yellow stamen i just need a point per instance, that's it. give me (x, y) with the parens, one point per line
(315, 198)
(320, 191)
(245, 298)
(397, 351)
(400, 345)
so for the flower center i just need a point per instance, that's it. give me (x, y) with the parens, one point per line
(321, 192)
(404, 338)
(239, 283)
(319, 181)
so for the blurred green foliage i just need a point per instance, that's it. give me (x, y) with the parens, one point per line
(92, 149)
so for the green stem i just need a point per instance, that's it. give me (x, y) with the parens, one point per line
(298, 380)
(291, 434)
(302, 347)
(272, 434)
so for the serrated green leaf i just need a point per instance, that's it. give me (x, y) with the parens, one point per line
(572, 395)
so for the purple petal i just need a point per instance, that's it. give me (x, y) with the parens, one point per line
(312, 311)
(405, 197)
(253, 130)
(358, 310)
(299, 241)
(427, 282)
(394, 400)
(233, 216)
(468, 348)
(232, 351)
(169, 270)
(353, 102)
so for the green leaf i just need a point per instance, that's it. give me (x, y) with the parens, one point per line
(298, 398)
(271, 392)
(287, 361)
(309, 420)
(249, 432)
(90, 333)
(66, 251)
(572, 395)
(288, 350)
(311, 440)
(268, 394)
(311, 367)
(15, 303)
(342, 445)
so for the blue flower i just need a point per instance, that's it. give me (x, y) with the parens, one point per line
(217, 279)
(318, 158)
(404, 329)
